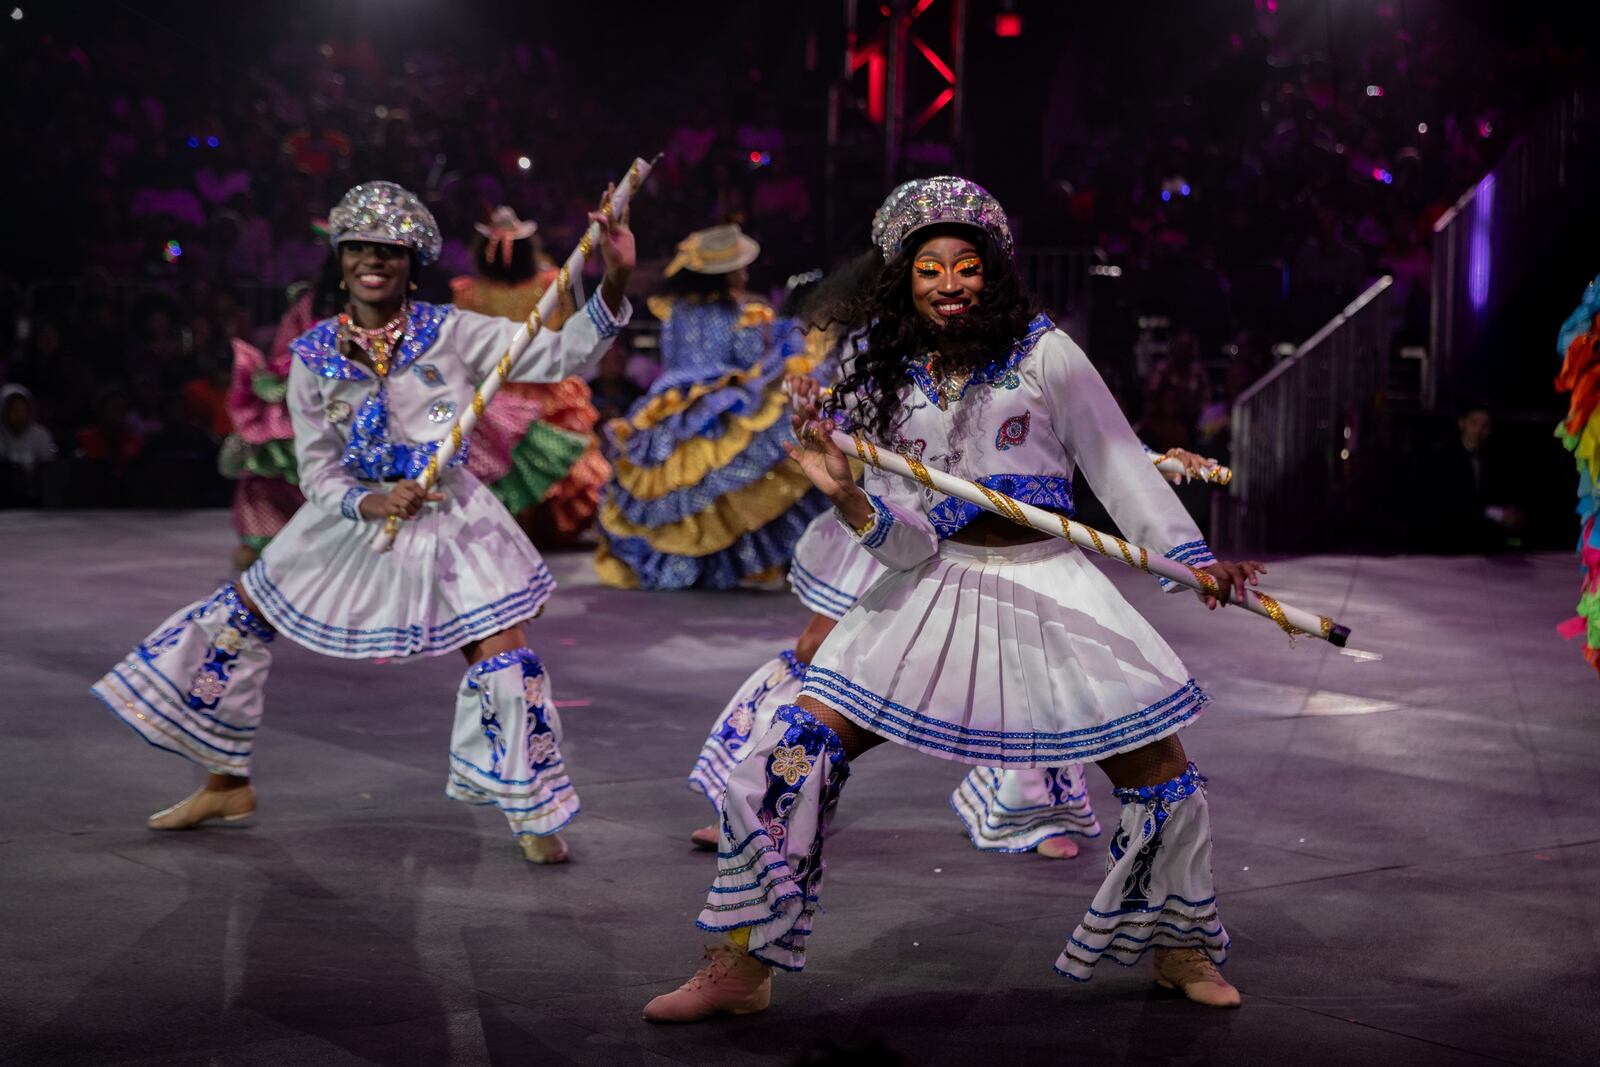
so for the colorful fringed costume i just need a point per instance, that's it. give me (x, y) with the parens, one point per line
(1579, 347)
(536, 445)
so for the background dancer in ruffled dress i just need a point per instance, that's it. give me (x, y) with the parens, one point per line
(983, 643)
(703, 494)
(373, 394)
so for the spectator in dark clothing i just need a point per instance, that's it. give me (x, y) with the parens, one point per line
(1470, 500)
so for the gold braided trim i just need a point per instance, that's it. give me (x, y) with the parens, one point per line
(1094, 535)
(692, 460)
(861, 447)
(1326, 627)
(478, 404)
(730, 517)
(916, 465)
(585, 246)
(1207, 583)
(1275, 612)
(1002, 503)
(1122, 546)
(1144, 559)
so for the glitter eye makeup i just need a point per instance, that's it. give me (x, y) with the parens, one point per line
(930, 267)
(969, 265)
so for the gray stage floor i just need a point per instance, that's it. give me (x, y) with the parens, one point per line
(1406, 849)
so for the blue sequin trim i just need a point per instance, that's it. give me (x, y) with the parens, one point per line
(524, 656)
(371, 456)
(996, 747)
(881, 525)
(1190, 554)
(1050, 491)
(350, 503)
(318, 347)
(996, 373)
(606, 324)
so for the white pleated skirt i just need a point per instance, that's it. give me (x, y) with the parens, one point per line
(830, 572)
(459, 571)
(1023, 656)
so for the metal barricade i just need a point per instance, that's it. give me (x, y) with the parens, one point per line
(1302, 433)
(1486, 244)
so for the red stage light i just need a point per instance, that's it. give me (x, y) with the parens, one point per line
(1008, 24)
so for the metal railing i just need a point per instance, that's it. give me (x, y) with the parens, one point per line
(1487, 243)
(1059, 277)
(1302, 433)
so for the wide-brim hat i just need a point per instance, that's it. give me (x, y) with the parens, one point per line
(503, 223)
(385, 213)
(716, 250)
(944, 200)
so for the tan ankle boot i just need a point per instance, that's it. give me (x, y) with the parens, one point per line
(1191, 972)
(203, 804)
(1060, 847)
(547, 849)
(732, 981)
(707, 838)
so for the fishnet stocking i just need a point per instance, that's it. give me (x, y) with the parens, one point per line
(1159, 761)
(854, 739)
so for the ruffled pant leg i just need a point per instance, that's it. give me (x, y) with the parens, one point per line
(1013, 810)
(505, 748)
(1158, 890)
(775, 817)
(749, 714)
(196, 685)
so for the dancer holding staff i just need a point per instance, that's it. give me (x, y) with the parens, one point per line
(372, 395)
(984, 643)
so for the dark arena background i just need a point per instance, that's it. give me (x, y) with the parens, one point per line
(1335, 245)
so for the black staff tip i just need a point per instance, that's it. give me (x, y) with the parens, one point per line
(1338, 635)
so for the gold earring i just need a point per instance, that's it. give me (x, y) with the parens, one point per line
(413, 287)
(342, 284)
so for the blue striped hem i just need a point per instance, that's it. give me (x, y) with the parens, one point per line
(396, 640)
(883, 716)
(817, 594)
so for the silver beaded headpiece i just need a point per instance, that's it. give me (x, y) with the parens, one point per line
(926, 202)
(388, 214)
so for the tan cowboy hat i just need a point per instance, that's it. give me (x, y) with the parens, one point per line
(717, 250)
(503, 221)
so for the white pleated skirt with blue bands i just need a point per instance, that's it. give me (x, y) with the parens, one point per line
(1018, 656)
(459, 571)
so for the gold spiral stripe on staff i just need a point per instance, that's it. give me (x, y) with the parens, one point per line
(1144, 559)
(1004, 504)
(585, 246)
(1122, 546)
(478, 404)
(861, 448)
(919, 469)
(1094, 535)
(1327, 627)
(1208, 584)
(1275, 613)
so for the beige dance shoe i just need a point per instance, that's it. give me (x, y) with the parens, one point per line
(707, 838)
(547, 849)
(732, 982)
(1191, 972)
(1060, 847)
(203, 804)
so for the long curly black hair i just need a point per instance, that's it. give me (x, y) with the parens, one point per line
(896, 336)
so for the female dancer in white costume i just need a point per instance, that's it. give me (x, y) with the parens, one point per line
(373, 394)
(983, 643)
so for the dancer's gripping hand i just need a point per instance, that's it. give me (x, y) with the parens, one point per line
(805, 395)
(403, 501)
(1194, 465)
(1231, 579)
(826, 466)
(617, 248)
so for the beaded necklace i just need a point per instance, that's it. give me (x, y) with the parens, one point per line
(380, 342)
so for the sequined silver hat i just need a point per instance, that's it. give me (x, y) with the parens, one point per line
(926, 202)
(388, 214)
